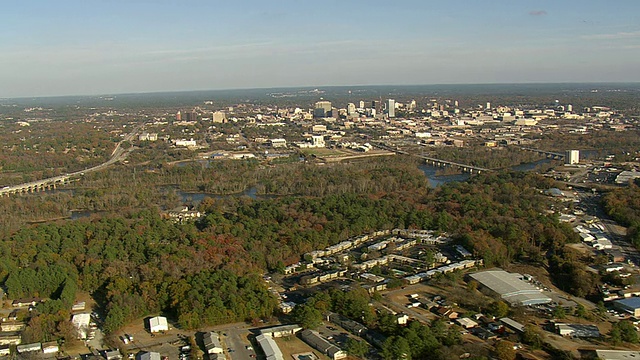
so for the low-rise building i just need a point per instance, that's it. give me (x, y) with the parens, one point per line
(321, 344)
(148, 355)
(630, 305)
(27, 348)
(578, 330)
(466, 323)
(158, 324)
(112, 355)
(510, 287)
(615, 354)
(281, 330)
(269, 347)
(5, 350)
(211, 342)
(50, 347)
(81, 323)
(11, 338)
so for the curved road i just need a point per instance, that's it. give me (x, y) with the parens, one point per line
(118, 154)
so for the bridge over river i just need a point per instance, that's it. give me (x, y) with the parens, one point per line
(436, 162)
(53, 182)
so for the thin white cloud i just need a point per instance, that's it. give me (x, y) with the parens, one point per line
(613, 36)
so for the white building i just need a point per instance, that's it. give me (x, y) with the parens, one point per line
(219, 117)
(149, 356)
(50, 348)
(572, 157)
(158, 324)
(317, 141)
(183, 142)
(269, 347)
(351, 109)
(81, 323)
(278, 143)
(391, 108)
(211, 341)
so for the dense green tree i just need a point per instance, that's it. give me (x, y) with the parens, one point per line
(307, 316)
(357, 348)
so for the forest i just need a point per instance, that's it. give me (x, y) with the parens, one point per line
(623, 205)
(134, 262)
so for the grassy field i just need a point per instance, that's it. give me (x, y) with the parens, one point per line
(293, 345)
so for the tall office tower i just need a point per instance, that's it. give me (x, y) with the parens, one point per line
(572, 157)
(351, 109)
(412, 105)
(323, 109)
(191, 115)
(178, 116)
(361, 104)
(391, 108)
(455, 103)
(488, 105)
(569, 108)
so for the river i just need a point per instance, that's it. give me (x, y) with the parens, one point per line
(194, 198)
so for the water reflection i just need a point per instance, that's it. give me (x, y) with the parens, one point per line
(436, 180)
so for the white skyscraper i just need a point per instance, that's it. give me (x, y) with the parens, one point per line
(391, 108)
(361, 104)
(488, 105)
(351, 109)
(572, 157)
(569, 108)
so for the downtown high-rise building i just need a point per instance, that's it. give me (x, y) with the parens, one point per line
(351, 109)
(391, 108)
(322, 109)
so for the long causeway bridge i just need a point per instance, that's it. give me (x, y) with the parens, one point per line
(34, 186)
(548, 154)
(53, 182)
(436, 162)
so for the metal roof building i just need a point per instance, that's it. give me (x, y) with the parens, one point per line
(617, 354)
(630, 305)
(321, 344)
(158, 324)
(510, 287)
(269, 347)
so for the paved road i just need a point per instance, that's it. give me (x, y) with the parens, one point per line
(118, 154)
(236, 341)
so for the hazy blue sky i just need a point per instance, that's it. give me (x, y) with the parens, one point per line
(68, 47)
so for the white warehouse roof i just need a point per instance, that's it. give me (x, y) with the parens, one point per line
(269, 347)
(510, 287)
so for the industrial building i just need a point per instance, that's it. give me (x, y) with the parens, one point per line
(510, 287)
(269, 347)
(630, 305)
(578, 330)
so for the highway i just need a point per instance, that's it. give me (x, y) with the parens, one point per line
(118, 154)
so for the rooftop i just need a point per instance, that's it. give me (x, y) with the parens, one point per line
(632, 302)
(269, 347)
(510, 287)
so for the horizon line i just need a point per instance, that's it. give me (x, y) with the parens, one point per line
(316, 87)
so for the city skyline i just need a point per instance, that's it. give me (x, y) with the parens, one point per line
(98, 47)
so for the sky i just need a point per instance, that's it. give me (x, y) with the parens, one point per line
(87, 47)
